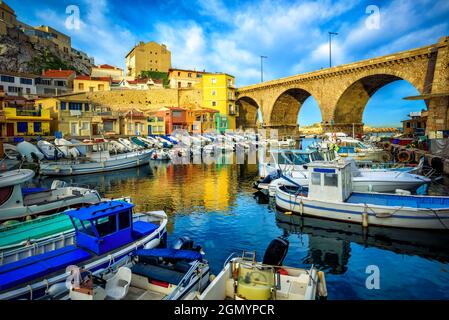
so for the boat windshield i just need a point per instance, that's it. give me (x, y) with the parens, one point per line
(292, 158)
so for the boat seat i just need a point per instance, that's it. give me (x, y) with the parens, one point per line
(158, 273)
(37, 266)
(143, 228)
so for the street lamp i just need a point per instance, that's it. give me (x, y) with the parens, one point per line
(330, 47)
(261, 67)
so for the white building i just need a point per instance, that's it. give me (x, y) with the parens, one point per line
(18, 84)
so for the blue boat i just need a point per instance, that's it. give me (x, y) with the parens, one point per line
(104, 233)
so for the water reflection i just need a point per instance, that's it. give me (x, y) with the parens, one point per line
(329, 241)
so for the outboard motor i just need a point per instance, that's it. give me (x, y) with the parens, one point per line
(276, 252)
(183, 243)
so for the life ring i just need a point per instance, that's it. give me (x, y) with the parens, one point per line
(404, 156)
(386, 157)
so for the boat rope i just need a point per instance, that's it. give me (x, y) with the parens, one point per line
(46, 285)
(31, 291)
(438, 217)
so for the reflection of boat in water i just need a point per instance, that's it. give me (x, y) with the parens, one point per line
(427, 244)
(103, 179)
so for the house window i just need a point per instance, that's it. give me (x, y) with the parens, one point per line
(59, 83)
(14, 89)
(214, 103)
(7, 79)
(179, 73)
(28, 90)
(100, 87)
(37, 127)
(86, 107)
(85, 126)
(213, 80)
(63, 105)
(189, 84)
(189, 75)
(214, 93)
(81, 86)
(91, 89)
(22, 127)
(26, 81)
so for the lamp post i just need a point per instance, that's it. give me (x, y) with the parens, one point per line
(261, 67)
(330, 47)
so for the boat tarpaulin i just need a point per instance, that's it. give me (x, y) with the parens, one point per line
(188, 255)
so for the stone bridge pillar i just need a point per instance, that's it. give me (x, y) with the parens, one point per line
(438, 118)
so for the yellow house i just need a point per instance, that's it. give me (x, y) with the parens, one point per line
(72, 115)
(149, 56)
(156, 124)
(180, 78)
(25, 122)
(134, 123)
(91, 84)
(219, 94)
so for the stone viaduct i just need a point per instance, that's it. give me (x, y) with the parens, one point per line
(342, 92)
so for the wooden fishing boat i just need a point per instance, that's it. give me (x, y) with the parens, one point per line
(105, 232)
(330, 195)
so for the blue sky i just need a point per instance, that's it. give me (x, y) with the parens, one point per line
(229, 36)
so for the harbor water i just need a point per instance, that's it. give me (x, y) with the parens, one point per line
(216, 205)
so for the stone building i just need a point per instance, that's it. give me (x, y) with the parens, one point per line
(149, 56)
(7, 18)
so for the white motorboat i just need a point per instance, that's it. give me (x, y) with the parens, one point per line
(49, 150)
(176, 273)
(243, 278)
(29, 151)
(292, 170)
(11, 151)
(67, 148)
(96, 161)
(330, 195)
(127, 143)
(17, 203)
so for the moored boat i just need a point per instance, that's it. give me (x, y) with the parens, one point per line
(175, 273)
(105, 232)
(96, 161)
(330, 195)
(17, 203)
(243, 278)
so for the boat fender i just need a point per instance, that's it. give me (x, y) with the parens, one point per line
(365, 220)
(152, 244)
(212, 277)
(322, 288)
(57, 289)
(288, 213)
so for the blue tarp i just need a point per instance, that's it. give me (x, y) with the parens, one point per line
(15, 273)
(26, 191)
(170, 253)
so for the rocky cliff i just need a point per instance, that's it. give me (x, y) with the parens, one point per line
(20, 53)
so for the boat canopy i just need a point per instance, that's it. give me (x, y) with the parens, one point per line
(104, 226)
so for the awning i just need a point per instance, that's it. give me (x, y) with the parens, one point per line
(428, 96)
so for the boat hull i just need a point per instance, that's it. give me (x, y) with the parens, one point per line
(116, 163)
(399, 217)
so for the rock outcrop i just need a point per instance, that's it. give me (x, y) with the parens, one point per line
(20, 53)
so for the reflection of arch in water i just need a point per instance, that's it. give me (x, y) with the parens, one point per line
(429, 245)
